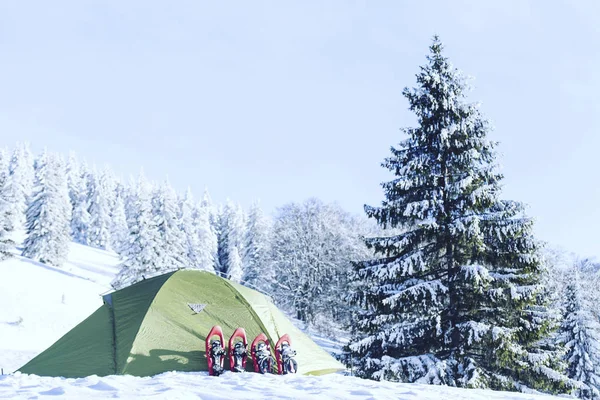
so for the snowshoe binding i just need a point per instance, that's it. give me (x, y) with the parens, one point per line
(286, 364)
(238, 350)
(215, 352)
(261, 354)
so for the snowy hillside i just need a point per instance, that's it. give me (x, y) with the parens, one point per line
(40, 303)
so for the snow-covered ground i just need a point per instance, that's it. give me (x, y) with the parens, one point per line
(40, 303)
(228, 386)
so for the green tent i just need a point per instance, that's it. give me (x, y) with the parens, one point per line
(149, 328)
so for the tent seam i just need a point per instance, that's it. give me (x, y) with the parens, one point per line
(145, 315)
(114, 338)
(258, 319)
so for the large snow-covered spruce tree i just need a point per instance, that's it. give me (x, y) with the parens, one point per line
(49, 213)
(452, 299)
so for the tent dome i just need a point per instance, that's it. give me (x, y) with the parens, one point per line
(160, 324)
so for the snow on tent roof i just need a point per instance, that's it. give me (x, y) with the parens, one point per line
(149, 328)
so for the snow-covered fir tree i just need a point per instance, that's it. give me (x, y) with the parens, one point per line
(129, 198)
(452, 299)
(99, 210)
(77, 176)
(230, 235)
(28, 170)
(220, 228)
(121, 190)
(580, 334)
(49, 213)
(235, 270)
(313, 245)
(255, 261)
(207, 238)
(172, 252)
(208, 203)
(142, 254)
(73, 176)
(19, 184)
(6, 219)
(110, 186)
(212, 213)
(189, 226)
(555, 264)
(119, 231)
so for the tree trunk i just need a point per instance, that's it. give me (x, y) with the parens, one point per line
(450, 268)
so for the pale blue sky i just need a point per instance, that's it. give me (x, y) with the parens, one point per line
(282, 100)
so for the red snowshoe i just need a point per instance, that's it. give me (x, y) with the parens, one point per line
(261, 354)
(238, 350)
(286, 364)
(215, 352)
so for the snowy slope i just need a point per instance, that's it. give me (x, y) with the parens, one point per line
(40, 303)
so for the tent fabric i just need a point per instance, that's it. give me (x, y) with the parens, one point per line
(130, 307)
(148, 328)
(277, 325)
(72, 354)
